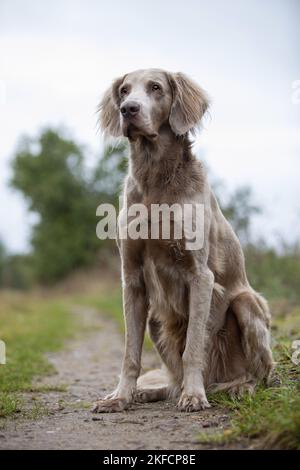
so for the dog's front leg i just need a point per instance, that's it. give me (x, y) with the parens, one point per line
(193, 397)
(135, 313)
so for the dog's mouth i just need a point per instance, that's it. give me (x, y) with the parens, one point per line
(132, 130)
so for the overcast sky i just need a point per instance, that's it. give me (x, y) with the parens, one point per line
(57, 58)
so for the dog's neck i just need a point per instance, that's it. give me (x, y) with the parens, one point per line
(163, 165)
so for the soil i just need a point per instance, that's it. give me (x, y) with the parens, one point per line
(89, 368)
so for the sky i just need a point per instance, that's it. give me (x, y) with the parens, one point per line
(58, 57)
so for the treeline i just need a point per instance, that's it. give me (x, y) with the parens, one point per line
(52, 175)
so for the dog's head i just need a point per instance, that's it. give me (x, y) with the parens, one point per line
(140, 102)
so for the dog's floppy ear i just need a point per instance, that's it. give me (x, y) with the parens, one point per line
(109, 113)
(190, 103)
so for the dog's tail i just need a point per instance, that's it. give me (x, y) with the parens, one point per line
(244, 382)
(156, 378)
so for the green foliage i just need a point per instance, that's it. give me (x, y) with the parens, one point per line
(276, 275)
(51, 175)
(110, 172)
(17, 272)
(239, 209)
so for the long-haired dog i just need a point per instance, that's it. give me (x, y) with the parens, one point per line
(210, 328)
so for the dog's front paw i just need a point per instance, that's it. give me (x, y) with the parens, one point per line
(190, 403)
(110, 405)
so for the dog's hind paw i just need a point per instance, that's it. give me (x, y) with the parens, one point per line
(150, 395)
(110, 405)
(191, 403)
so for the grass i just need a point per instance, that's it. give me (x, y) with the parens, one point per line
(110, 303)
(30, 327)
(271, 415)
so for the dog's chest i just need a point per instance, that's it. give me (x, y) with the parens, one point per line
(166, 264)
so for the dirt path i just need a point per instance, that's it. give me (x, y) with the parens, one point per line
(89, 367)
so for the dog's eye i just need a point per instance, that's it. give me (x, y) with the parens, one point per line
(155, 87)
(123, 91)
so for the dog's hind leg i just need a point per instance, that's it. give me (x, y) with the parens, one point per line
(161, 384)
(253, 317)
(169, 341)
(227, 366)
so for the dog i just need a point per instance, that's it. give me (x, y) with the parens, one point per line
(210, 328)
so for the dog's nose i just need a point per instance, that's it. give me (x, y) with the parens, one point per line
(130, 109)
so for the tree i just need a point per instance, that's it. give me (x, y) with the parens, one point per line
(50, 173)
(110, 172)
